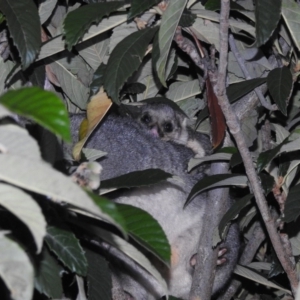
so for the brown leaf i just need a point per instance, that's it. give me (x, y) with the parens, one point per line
(217, 120)
(96, 110)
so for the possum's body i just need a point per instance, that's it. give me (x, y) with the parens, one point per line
(131, 148)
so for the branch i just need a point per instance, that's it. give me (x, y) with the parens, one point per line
(235, 129)
(243, 67)
(204, 273)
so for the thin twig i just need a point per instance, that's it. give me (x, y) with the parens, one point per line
(235, 129)
(246, 73)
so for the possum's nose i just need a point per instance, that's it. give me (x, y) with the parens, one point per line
(155, 131)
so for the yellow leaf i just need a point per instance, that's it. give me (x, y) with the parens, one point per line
(96, 110)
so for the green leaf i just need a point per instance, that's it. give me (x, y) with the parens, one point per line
(136, 179)
(280, 84)
(266, 157)
(292, 205)
(254, 276)
(146, 230)
(236, 159)
(78, 21)
(98, 276)
(139, 6)
(216, 5)
(46, 9)
(233, 212)
(169, 23)
(113, 215)
(267, 182)
(179, 91)
(125, 59)
(133, 253)
(67, 248)
(24, 27)
(187, 19)
(216, 181)
(238, 90)
(97, 80)
(17, 141)
(39, 177)
(16, 269)
(26, 209)
(291, 16)
(47, 280)
(41, 106)
(266, 19)
(216, 156)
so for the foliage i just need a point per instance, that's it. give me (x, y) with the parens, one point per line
(127, 48)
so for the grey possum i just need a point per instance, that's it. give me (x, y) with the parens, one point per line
(166, 120)
(130, 147)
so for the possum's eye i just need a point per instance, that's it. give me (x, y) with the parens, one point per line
(146, 119)
(168, 127)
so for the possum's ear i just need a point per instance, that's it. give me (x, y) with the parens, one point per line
(185, 122)
(132, 111)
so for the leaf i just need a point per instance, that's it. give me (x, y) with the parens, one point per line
(291, 16)
(16, 269)
(75, 90)
(217, 119)
(216, 5)
(92, 154)
(99, 281)
(266, 157)
(57, 44)
(96, 110)
(187, 19)
(295, 243)
(139, 6)
(136, 179)
(24, 27)
(17, 140)
(134, 254)
(267, 182)
(78, 21)
(48, 279)
(292, 205)
(112, 212)
(247, 273)
(238, 90)
(146, 230)
(67, 248)
(266, 20)
(233, 212)
(179, 91)
(25, 209)
(169, 22)
(40, 178)
(217, 156)
(94, 51)
(97, 80)
(214, 181)
(125, 59)
(41, 106)
(46, 9)
(280, 84)
(281, 132)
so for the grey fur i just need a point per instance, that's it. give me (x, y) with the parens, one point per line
(167, 121)
(131, 148)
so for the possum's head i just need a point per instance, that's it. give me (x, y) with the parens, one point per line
(164, 121)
